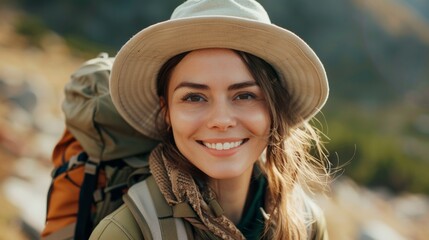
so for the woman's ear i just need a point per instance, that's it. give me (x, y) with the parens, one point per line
(164, 110)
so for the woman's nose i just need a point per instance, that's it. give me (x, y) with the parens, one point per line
(221, 117)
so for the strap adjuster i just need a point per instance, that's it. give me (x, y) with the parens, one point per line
(91, 167)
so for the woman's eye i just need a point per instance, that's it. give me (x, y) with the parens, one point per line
(245, 96)
(193, 98)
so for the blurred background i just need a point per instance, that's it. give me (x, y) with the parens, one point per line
(376, 54)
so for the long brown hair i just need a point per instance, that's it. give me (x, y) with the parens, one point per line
(294, 156)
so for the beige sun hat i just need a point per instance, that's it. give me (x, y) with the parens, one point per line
(196, 24)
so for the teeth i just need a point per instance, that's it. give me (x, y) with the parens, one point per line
(223, 146)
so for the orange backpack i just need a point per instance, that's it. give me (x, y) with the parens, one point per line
(96, 160)
(68, 176)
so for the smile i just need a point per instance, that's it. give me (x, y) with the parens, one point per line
(223, 146)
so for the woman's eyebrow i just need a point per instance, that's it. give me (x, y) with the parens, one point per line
(242, 85)
(192, 85)
(199, 86)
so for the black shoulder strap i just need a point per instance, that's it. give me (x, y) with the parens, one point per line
(83, 221)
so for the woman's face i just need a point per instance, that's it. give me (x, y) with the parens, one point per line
(218, 115)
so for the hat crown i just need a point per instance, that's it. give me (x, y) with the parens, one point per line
(247, 9)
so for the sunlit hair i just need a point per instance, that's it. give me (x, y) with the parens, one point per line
(294, 158)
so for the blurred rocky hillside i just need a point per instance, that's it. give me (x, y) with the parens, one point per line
(31, 82)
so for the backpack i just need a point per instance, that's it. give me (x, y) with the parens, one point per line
(96, 160)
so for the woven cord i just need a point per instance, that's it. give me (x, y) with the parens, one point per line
(178, 186)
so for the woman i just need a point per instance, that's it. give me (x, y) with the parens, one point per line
(230, 96)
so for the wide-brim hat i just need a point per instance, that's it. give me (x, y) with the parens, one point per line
(242, 25)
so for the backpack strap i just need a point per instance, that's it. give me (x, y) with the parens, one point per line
(84, 217)
(156, 218)
(315, 220)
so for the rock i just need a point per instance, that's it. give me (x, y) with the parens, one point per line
(27, 190)
(377, 230)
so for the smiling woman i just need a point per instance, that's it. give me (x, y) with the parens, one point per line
(213, 103)
(229, 95)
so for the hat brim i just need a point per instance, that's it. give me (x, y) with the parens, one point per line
(134, 72)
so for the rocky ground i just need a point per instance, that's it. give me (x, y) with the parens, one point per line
(31, 82)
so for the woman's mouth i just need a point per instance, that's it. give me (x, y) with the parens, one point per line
(223, 145)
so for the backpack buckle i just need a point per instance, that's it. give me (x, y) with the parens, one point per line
(73, 162)
(91, 167)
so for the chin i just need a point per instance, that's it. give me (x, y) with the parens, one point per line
(223, 174)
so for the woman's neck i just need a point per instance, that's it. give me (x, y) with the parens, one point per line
(232, 193)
